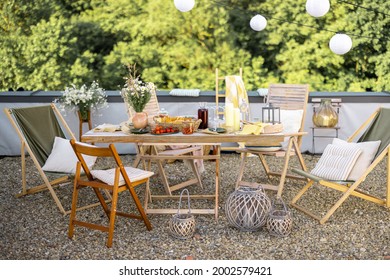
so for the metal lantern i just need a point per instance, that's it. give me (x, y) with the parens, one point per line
(247, 208)
(271, 114)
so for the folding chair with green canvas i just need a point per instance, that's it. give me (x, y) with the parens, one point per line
(40, 130)
(344, 165)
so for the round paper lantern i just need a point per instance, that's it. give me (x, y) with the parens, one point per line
(340, 43)
(317, 8)
(258, 22)
(184, 5)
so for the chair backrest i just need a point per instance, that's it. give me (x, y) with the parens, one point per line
(290, 97)
(152, 108)
(38, 127)
(379, 129)
(81, 149)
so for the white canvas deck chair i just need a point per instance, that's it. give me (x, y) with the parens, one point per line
(37, 128)
(152, 108)
(292, 100)
(378, 129)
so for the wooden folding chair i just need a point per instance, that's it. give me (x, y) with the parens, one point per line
(379, 129)
(287, 97)
(37, 128)
(152, 108)
(114, 180)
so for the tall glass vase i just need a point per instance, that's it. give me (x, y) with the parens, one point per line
(325, 115)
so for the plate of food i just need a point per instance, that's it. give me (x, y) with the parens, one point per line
(164, 133)
(218, 130)
(161, 130)
(263, 148)
(140, 130)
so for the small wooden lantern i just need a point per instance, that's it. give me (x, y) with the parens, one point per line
(271, 114)
(182, 225)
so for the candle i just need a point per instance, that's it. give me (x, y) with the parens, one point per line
(237, 119)
(229, 115)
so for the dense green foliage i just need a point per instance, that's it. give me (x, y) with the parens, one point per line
(50, 44)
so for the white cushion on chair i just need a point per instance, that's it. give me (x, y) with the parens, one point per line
(108, 176)
(369, 150)
(63, 159)
(291, 120)
(336, 162)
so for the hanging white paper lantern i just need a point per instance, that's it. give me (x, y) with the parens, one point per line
(340, 43)
(258, 22)
(317, 8)
(184, 5)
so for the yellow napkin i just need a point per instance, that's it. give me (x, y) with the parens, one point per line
(255, 128)
(107, 128)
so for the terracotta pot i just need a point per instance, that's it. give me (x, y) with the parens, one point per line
(140, 120)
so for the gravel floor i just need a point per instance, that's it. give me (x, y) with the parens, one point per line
(32, 227)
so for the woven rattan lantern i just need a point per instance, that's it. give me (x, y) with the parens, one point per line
(279, 222)
(247, 208)
(182, 225)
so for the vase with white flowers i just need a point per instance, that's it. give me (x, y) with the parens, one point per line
(83, 99)
(137, 93)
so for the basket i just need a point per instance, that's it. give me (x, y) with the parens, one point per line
(182, 226)
(279, 221)
(176, 122)
(247, 208)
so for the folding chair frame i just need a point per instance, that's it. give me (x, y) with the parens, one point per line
(283, 101)
(96, 185)
(348, 188)
(48, 185)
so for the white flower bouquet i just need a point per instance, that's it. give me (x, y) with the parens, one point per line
(84, 99)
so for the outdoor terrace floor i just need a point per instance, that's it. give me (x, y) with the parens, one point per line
(33, 228)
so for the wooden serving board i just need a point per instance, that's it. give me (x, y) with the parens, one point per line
(273, 128)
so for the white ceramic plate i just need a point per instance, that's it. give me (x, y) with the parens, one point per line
(264, 148)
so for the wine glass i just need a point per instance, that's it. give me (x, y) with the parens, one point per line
(244, 108)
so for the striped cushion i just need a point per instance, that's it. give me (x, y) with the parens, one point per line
(336, 162)
(108, 176)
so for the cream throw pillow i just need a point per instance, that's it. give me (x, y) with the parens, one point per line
(291, 120)
(369, 150)
(62, 158)
(336, 162)
(108, 176)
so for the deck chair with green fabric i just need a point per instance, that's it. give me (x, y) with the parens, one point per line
(351, 164)
(41, 133)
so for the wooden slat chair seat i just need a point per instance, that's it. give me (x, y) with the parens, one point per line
(118, 180)
(378, 129)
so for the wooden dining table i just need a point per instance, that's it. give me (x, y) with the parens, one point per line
(197, 138)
